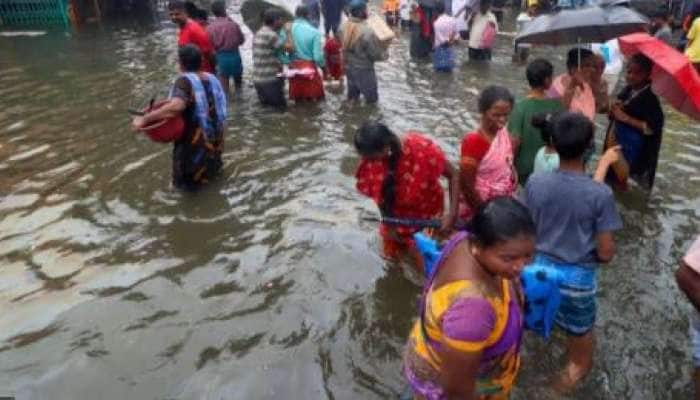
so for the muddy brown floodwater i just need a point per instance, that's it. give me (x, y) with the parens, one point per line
(267, 284)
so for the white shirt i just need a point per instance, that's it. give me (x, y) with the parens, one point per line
(480, 21)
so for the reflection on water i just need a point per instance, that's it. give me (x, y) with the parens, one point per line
(265, 284)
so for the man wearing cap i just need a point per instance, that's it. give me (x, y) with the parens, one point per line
(688, 279)
(361, 49)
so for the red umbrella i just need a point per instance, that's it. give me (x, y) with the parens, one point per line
(674, 78)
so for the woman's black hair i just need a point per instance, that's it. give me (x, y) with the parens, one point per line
(572, 135)
(371, 139)
(642, 62)
(544, 123)
(576, 56)
(190, 57)
(538, 71)
(500, 219)
(491, 95)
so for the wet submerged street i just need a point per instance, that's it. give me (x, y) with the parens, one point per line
(267, 284)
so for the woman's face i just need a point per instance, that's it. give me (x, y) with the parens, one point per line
(507, 259)
(635, 75)
(496, 117)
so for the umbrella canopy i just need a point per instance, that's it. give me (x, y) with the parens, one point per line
(252, 10)
(583, 25)
(674, 78)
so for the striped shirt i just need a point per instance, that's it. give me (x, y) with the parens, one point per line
(266, 64)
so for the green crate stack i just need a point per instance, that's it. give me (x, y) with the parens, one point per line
(33, 13)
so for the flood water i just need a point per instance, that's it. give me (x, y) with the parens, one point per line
(268, 283)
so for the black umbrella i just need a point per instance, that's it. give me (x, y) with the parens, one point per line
(252, 11)
(582, 25)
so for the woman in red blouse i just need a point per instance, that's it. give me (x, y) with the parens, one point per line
(486, 165)
(403, 177)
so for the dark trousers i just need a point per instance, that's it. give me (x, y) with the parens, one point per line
(479, 54)
(362, 81)
(271, 93)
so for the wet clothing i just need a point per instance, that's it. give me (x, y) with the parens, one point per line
(267, 46)
(271, 93)
(466, 317)
(421, 42)
(361, 49)
(418, 194)
(333, 53)
(495, 175)
(570, 210)
(481, 35)
(308, 53)
(640, 149)
(307, 42)
(332, 12)
(197, 154)
(229, 65)
(692, 260)
(361, 46)
(305, 87)
(362, 81)
(520, 126)
(226, 37)
(193, 33)
(559, 294)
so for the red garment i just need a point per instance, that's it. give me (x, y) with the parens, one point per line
(418, 194)
(475, 146)
(193, 33)
(305, 88)
(334, 59)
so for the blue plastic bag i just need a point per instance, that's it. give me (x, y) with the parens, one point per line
(540, 281)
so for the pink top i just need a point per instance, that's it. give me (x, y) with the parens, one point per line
(445, 29)
(583, 100)
(692, 257)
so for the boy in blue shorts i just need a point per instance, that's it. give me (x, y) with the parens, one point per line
(575, 217)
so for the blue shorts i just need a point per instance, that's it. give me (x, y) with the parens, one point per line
(229, 64)
(577, 309)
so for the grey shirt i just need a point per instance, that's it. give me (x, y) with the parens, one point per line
(365, 50)
(569, 210)
(665, 35)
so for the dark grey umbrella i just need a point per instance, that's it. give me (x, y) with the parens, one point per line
(582, 25)
(252, 10)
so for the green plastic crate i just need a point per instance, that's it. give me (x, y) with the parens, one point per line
(33, 13)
